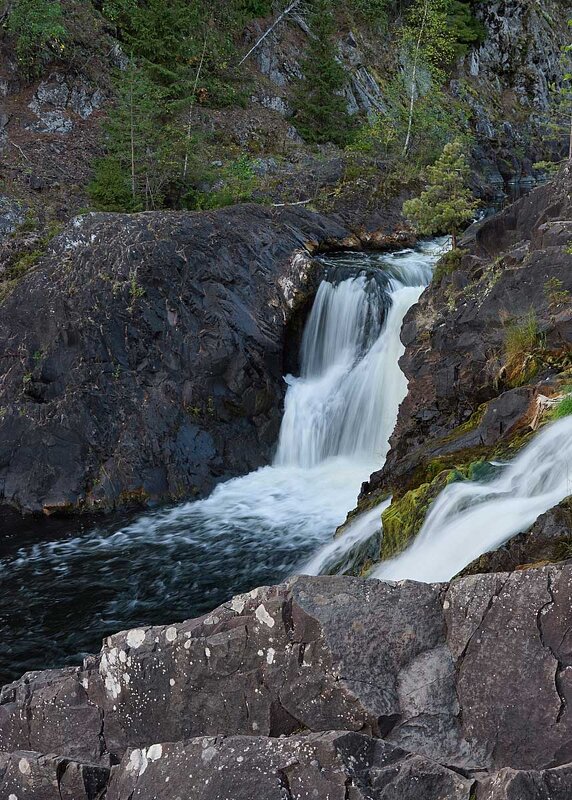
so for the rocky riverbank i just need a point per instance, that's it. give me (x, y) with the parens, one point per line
(488, 356)
(321, 687)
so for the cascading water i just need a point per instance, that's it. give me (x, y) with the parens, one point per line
(172, 564)
(468, 518)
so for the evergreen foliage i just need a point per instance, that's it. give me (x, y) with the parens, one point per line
(39, 31)
(374, 12)
(559, 119)
(446, 205)
(139, 147)
(321, 113)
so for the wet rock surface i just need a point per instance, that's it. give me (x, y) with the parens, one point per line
(455, 338)
(152, 364)
(549, 539)
(351, 672)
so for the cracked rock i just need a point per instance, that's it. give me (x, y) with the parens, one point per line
(26, 775)
(337, 766)
(475, 675)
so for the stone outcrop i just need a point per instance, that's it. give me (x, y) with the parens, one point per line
(465, 401)
(32, 776)
(325, 765)
(386, 686)
(152, 363)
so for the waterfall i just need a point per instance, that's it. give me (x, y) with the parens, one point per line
(178, 562)
(345, 403)
(468, 519)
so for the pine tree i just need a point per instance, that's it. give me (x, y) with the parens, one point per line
(560, 111)
(138, 146)
(321, 113)
(446, 205)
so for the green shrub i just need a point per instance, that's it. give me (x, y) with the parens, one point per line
(523, 346)
(235, 183)
(109, 190)
(448, 263)
(37, 26)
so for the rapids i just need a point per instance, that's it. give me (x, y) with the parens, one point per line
(62, 592)
(469, 518)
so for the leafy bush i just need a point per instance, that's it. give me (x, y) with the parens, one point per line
(448, 263)
(436, 119)
(109, 190)
(39, 31)
(235, 183)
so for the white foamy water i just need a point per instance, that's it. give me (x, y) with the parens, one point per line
(73, 587)
(340, 412)
(468, 518)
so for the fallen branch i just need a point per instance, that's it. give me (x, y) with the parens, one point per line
(270, 29)
(297, 203)
(17, 146)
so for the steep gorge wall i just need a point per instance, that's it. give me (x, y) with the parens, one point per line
(50, 128)
(469, 398)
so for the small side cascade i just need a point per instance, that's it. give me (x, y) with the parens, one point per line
(468, 519)
(345, 401)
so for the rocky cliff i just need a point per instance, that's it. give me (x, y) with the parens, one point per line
(142, 356)
(51, 123)
(488, 353)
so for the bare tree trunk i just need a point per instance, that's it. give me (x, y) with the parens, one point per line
(414, 78)
(270, 29)
(453, 240)
(191, 109)
(570, 142)
(132, 137)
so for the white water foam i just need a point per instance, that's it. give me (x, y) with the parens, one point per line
(468, 518)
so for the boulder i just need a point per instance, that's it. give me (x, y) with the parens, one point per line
(510, 784)
(444, 671)
(329, 765)
(27, 775)
(152, 364)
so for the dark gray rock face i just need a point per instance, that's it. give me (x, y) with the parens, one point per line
(455, 336)
(447, 672)
(509, 784)
(27, 775)
(12, 213)
(152, 363)
(549, 539)
(332, 765)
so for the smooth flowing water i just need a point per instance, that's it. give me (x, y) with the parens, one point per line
(61, 590)
(468, 518)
